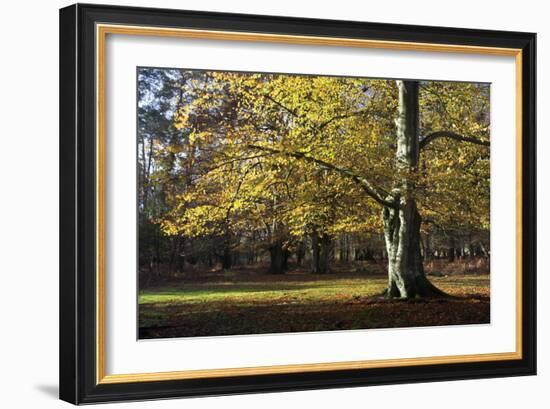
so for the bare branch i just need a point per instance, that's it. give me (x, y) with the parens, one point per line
(343, 116)
(450, 135)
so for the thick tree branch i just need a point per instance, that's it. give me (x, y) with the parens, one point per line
(361, 181)
(450, 135)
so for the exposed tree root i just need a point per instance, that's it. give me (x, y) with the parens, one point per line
(424, 289)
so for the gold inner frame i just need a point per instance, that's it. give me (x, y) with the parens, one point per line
(101, 33)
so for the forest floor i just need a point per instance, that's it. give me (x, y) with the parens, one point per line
(236, 303)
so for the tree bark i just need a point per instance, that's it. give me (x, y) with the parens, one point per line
(452, 251)
(226, 258)
(428, 253)
(300, 253)
(406, 277)
(278, 258)
(320, 253)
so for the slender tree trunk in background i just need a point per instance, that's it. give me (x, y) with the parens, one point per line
(157, 258)
(346, 248)
(470, 246)
(236, 258)
(384, 255)
(484, 250)
(368, 254)
(174, 255)
(406, 278)
(320, 254)
(180, 260)
(300, 253)
(314, 252)
(250, 257)
(251, 253)
(338, 250)
(452, 251)
(427, 248)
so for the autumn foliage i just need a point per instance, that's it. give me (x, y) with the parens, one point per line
(283, 172)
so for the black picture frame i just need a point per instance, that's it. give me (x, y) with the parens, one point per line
(78, 292)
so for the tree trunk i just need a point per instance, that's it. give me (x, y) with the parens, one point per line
(452, 251)
(484, 250)
(406, 278)
(320, 253)
(236, 258)
(300, 253)
(278, 257)
(426, 247)
(226, 258)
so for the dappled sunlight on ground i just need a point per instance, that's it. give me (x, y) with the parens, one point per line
(300, 303)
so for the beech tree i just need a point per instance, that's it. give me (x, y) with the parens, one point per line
(291, 156)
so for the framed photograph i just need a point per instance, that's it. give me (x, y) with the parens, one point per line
(257, 203)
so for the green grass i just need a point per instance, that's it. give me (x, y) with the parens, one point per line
(252, 293)
(300, 302)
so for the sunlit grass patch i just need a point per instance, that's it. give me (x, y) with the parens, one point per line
(295, 303)
(305, 291)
